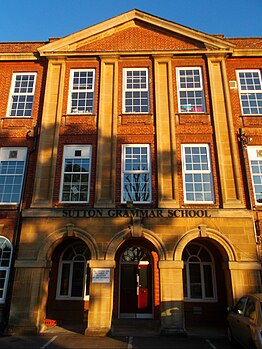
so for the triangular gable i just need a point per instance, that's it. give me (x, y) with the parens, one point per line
(137, 22)
(139, 37)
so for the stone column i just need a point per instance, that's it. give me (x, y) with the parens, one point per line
(101, 299)
(172, 297)
(232, 193)
(165, 134)
(52, 113)
(106, 143)
(27, 312)
(245, 278)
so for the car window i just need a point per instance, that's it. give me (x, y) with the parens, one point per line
(250, 309)
(240, 306)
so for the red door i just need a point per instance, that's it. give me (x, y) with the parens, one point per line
(142, 288)
(136, 290)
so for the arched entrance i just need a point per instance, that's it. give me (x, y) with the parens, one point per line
(204, 283)
(68, 291)
(137, 280)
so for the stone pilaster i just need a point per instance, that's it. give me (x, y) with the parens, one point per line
(165, 134)
(245, 277)
(172, 298)
(232, 193)
(106, 144)
(51, 119)
(27, 312)
(101, 300)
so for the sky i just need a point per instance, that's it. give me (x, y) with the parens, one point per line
(31, 20)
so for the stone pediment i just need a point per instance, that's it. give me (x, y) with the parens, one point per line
(135, 31)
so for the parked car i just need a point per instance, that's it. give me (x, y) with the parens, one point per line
(245, 322)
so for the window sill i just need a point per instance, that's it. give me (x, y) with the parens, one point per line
(17, 122)
(88, 119)
(214, 300)
(72, 299)
(193, 118)
(252, 120)
(6, 206)
(126, 119)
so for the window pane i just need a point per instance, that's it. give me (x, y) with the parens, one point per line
(191, 93)
(64, 286)
(136, 92)
(77, 280)
(74, 274)
(136, 180)
(82, 91)
(11, 178)
(198, 274)
(3, 282)
(198, 182)
(76, 176)
(209, 292)
(22, 95)
(250, 91)
(256, 169)
(195, 281)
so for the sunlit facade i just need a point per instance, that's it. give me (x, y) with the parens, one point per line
(130, 177)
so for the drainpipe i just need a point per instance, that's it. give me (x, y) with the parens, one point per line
(17, 230)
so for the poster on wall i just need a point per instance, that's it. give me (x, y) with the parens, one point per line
(101, 275)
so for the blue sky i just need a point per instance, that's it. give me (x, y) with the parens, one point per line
(28, 20)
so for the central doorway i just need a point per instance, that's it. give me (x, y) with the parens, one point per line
(136, 283)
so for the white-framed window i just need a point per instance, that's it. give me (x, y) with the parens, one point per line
(191, 97)
(255, 163)
(197, 174)
(135, 90)
(81, 91)
(136, 173)
(198, 274)
(250, 91)
(22, 93)
(74, 273)
(12, 168)
(6, 250)
(75, 184)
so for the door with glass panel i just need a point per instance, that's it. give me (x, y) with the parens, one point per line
(135, 283)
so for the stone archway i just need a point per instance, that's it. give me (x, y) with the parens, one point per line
(125, 234)
(207, 284)
(48, 255)
(202, 231)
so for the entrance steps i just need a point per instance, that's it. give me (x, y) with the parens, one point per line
(135, 327)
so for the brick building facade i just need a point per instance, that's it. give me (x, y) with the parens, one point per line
(131, 176)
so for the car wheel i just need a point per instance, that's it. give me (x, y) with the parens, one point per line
(230, 336)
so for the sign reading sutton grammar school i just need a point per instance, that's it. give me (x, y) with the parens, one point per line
(142, 213)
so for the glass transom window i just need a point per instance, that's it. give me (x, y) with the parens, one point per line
(12, 167)
(136, 90)
(250, 90)
(198, 273)
(136, 174)
(255, 161)
(190, 90)
(76, 174)
(81, 92)
(5, 262)
(22, 94)
(197, 175)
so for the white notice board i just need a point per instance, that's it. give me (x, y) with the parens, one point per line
(101, 275)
